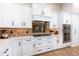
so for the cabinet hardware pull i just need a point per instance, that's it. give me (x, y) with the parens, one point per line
(28, 40)
(75, 31)
(39, 43)
(39, 50)
(34, 45)
(48, 48)
(19, 43)
(57, 41)
(12, 23)
(6, 50)
(49, 42)
(39, 39)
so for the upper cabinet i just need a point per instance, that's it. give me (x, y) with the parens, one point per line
(54, 20)
(37, 9)
(8, 15)
(27, 14)
(42, 12)
(66, 17)
(16, 15)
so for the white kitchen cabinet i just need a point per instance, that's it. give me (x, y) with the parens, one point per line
(42, 9)
(8, 15)
(28, 47)
(43, 44)
(23, 16)
(41, 18)
(42, 12)
(6, 49)
(43, 41)
(48, 11)
(37, 8)
(66, 17)
(54, 20)
(27, 16)
(17, 48)
(75, 29)
(57, 43)
(43, 49)
(16, 16)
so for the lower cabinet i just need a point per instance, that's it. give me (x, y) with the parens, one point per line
(16, 51)
(23, 47)
(33, 46)
(6, 50)
(28, 47)
(57, 43)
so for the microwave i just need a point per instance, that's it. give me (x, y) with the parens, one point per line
(40, 26)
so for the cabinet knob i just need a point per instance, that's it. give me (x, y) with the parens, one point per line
(39, 39)
(19, 43)
(28, 40)
(34, 45)
(12, 23)
(40, 50)
(39, 43)
(57, 41)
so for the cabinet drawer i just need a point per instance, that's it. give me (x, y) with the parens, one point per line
(48, 48)
(39, 50)
(41, 39)
(49, 43)
(43, 49)
(43, 43)
(39, 44)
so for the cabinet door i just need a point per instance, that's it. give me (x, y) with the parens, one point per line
(57, 43)
(47, 11)
(27, 47)
(6, 49)
(16, 48)
(75, 29)
(18, 15)
(37, 8)
(53, 22)
(67, 18)
(27, 16)
(8, 15)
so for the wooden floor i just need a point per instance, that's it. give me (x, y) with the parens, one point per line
(69, 51)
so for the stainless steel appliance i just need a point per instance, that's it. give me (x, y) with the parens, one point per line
(66, 33)
(40, 27)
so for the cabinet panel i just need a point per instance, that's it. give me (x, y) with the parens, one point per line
(27, 47)
(16, 48)
(40, 50)
(67, 18)
(57, 43)
(6, 49)
(37, 8)
(18, 15)
(7, 15)
(75, 29)
(27, 16)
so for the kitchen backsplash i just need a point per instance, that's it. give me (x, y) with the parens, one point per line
(54, 31)
(25, 31)
(17, 31)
